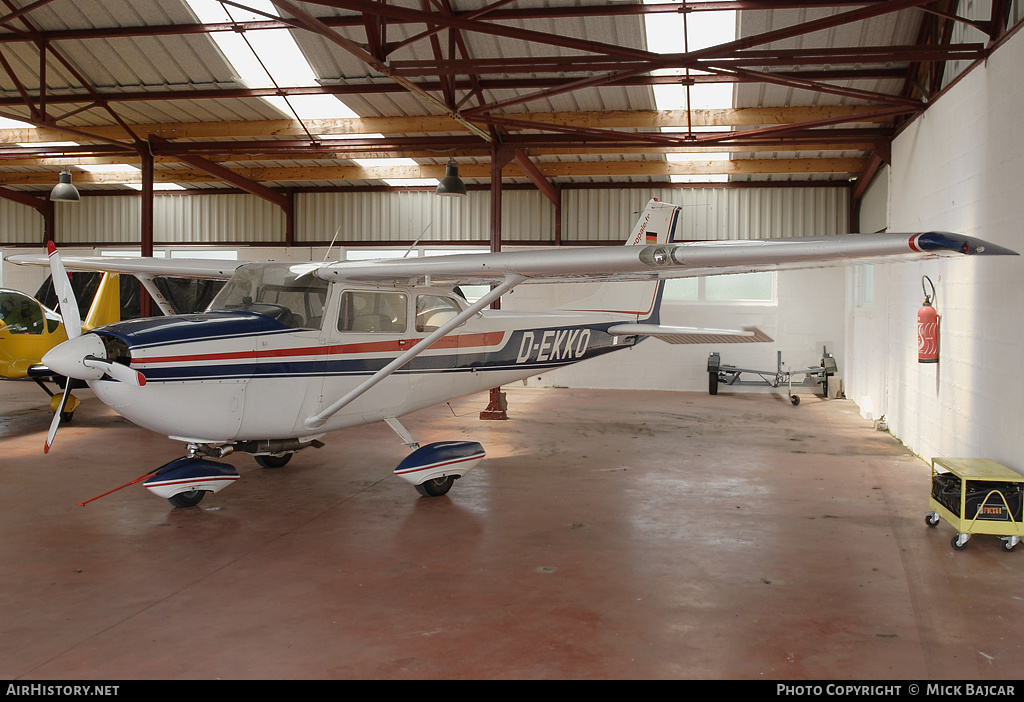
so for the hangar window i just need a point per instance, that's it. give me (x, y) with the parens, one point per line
(756, 287)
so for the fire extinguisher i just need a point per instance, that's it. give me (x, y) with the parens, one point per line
(927, 327)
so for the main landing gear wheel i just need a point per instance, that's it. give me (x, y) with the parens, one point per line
(187, 499)
(795, 399)
(713, 383)
(269, 461)
(436, 487)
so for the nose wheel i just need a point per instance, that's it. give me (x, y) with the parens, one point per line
(187, 499)
(436, 487)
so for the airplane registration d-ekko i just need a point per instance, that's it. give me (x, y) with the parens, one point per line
(288, 352)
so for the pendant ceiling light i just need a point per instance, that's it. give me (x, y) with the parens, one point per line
(64, 190)
(451, 185)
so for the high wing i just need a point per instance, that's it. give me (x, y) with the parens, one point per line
(177, 267)
(633, 262)
(662, 261)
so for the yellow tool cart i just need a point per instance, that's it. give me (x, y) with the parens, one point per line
(977, 496)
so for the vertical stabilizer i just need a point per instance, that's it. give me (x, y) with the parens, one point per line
(106, 306)
(656, 225)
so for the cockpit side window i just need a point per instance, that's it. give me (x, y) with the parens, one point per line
(371, 311)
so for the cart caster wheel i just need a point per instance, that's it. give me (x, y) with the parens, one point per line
(794, 399)
(1008, 545)
(959, 541)
(931, 519)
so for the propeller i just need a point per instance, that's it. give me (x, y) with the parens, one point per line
(65, 294)
(82, 356)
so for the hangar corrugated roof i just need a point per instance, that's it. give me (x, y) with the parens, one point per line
(125, 79)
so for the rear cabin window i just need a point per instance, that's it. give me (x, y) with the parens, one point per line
(372, 312)
(432, 311)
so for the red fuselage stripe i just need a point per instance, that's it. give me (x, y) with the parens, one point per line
(391, 346)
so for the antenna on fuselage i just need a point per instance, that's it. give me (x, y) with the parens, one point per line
(409, 250)
(336, 233)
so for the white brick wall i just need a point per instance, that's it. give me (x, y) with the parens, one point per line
(957, 168)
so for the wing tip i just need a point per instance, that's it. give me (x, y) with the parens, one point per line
(957, 243)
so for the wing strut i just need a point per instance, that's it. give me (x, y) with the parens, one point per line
(317, 420)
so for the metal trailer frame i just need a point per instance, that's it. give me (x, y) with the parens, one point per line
(812, 377)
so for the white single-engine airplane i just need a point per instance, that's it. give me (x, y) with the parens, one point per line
(289, 352)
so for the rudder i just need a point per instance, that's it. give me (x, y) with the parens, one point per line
(656, 225)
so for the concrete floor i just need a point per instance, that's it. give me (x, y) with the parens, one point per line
(607, 535)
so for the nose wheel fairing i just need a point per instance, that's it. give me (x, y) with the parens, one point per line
(434, 467)
(190, 477)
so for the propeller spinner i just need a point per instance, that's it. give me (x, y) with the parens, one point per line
(82, 356)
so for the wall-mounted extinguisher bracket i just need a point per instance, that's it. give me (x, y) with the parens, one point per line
(927, 326)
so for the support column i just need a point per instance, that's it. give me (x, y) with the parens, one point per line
(145, 301)
(500, 157)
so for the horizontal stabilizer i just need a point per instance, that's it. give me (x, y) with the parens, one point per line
(693, 335)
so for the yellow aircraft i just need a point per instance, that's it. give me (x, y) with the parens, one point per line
(28, 329)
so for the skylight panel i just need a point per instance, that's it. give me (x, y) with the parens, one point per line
(6, 123)
(668, 34)
(252, 54)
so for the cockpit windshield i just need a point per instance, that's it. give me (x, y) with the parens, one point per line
(287, 292)
(21, 314)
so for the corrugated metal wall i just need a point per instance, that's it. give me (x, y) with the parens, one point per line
(964, 33)
(99, 220)
(202, 219)
(191, 219)
(710, 213)
(19, 224)
(411, 215)
(598, 215)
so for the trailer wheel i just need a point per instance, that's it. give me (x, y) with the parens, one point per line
(713, 383)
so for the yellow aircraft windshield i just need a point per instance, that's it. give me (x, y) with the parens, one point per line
(27, 331)
(22, 314)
